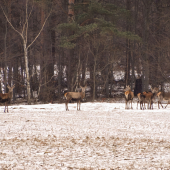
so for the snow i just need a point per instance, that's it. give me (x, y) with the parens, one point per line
(100, 136)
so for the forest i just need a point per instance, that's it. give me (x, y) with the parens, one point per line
(49, 47)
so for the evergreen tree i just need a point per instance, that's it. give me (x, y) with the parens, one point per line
(95, 24)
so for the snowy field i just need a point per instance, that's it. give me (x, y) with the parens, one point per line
(100, 136)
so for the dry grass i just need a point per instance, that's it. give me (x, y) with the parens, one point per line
(52, 152)
(97, 140)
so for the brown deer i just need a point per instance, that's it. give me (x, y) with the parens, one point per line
(78, 96)
(149, 96)
(141, 100)
(6, 97)
(128, 96)
(163, 96)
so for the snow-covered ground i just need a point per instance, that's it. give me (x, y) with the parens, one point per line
(100, 136)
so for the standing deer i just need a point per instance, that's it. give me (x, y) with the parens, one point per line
(149, 96)
(78, 96)
(6, 97)
(163, 96)
(128, 96)
(141, 100)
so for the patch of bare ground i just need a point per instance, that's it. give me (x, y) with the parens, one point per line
(84, 153)
(102, 136)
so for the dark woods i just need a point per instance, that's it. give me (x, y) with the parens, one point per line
(49, 47)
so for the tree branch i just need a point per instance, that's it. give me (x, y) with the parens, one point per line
(10, 23)
(39, 31)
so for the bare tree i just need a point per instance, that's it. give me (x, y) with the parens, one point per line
(24, 35)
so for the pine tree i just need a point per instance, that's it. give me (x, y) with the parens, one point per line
(96, 25)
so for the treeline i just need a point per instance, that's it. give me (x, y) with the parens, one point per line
(49, 47)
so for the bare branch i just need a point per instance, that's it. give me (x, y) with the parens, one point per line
(11, 23)
(40, 30)
(43, 85)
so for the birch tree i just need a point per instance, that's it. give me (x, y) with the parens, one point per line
(23, 33)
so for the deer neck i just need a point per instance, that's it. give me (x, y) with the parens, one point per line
(10, 94)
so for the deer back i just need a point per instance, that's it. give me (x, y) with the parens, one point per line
(148, 95)
(140, 96)
(4, 96)
(166, 96)
(73, 95)
(163, 96)
(129, 95)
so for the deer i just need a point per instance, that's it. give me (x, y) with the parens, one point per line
(129, 95)
(6, 97)
(78, 96)
(149, 96)
(141, 100)
(163, 96)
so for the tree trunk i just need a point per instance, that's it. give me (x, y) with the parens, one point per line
(134, 45)
(94, 78)
(5, 54)
(128, 52)
(70, 10)
(145, 55)
(27, 73)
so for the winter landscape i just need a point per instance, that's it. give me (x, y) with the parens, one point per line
(103, 135)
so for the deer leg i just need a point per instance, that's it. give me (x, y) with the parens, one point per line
(126, 105)
(77, 104)
(5, 108)
(141, 105)
(151, 104)
(148, 105)
(166, 105)
(144, 107)
(162, 105)
(159, 103)
(66, 104)
(131, 105)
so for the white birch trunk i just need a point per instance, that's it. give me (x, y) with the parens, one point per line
(24, 37)
(27, 72)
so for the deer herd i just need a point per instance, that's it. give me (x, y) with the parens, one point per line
(143, 98)
(147, 98)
